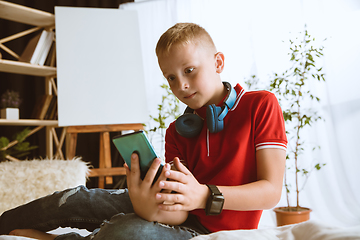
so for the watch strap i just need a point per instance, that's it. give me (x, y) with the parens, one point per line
(214, 190)
(215, 202)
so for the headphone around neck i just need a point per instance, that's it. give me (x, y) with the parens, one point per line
(189, 124)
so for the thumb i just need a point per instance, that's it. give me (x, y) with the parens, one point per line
(181, 167)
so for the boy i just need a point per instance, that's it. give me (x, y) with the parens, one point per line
(235, 160)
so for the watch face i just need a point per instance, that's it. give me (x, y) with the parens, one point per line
(216, 205)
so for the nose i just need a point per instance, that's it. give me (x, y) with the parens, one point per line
(183, 83)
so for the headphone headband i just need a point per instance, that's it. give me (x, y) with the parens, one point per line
(231, 97)
(189, 125)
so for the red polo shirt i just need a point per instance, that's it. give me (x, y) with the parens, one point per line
(227, 158)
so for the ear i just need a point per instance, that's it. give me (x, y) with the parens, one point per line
(219, 62)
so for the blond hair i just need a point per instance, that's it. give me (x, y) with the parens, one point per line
(183, 34)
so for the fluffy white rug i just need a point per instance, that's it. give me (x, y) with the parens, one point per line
(21, 182)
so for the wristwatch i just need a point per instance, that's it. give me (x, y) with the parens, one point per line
(215, 202)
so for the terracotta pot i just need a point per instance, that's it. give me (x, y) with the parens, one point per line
(286, 216)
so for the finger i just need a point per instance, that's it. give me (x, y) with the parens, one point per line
(176, 176)
(150, 175)
(128, 175)
(164, 172)
(171, 207)
(127, 169)
(180, 167)
(165, 191)
(164, 176)
(135, 168)
(173, 186)
(172, 197)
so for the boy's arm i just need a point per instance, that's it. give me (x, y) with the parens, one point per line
(143, 194)
(264, 193)
(261, 194)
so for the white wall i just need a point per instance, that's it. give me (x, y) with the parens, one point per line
(250, 33)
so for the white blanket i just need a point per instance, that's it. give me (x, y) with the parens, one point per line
(303, 231)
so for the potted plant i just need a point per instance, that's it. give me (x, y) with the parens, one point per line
(10, 102)
(297, 101)
(17, 148)
(168, 111)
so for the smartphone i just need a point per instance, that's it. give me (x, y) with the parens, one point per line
(137, 142)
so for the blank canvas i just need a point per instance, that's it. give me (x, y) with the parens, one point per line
(99, 67)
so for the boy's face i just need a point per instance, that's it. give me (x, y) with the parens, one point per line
(193, 74)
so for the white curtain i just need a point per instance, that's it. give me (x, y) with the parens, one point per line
(251, 35)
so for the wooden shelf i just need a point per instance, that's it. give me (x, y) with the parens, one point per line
(28, 122)
(39, 19)
(105, 128)
(101, 172)
(22, 14)
(26, 68)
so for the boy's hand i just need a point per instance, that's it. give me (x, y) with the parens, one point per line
(142, 193)
(190, 194)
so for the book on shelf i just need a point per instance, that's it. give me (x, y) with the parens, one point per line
(45, 107)
(46, 48)
(54, 113)
(40, 100)
(37, 49)
(50, 111)
(51, 59)
(41, 106)
(29, 49)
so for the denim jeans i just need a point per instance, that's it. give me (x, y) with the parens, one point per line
(108, 214)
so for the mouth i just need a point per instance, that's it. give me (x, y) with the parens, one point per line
(190, 96)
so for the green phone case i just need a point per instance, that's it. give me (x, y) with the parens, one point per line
(136, 142)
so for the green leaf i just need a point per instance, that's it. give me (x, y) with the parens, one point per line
(22, 135)
(4, 142)
(304, 171)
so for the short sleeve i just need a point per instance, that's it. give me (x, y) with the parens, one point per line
(269, 124)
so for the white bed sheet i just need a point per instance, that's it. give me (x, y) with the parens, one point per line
(310, 230)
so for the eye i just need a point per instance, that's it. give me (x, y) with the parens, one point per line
(189, 70)
(170, 78)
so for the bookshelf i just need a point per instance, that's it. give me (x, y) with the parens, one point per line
(40, 20)
(26, 68)
(22, 14)
(28, 122)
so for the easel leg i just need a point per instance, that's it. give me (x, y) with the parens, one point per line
(58, 144)
(107, 155)
(101, 181)
(71, 145)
